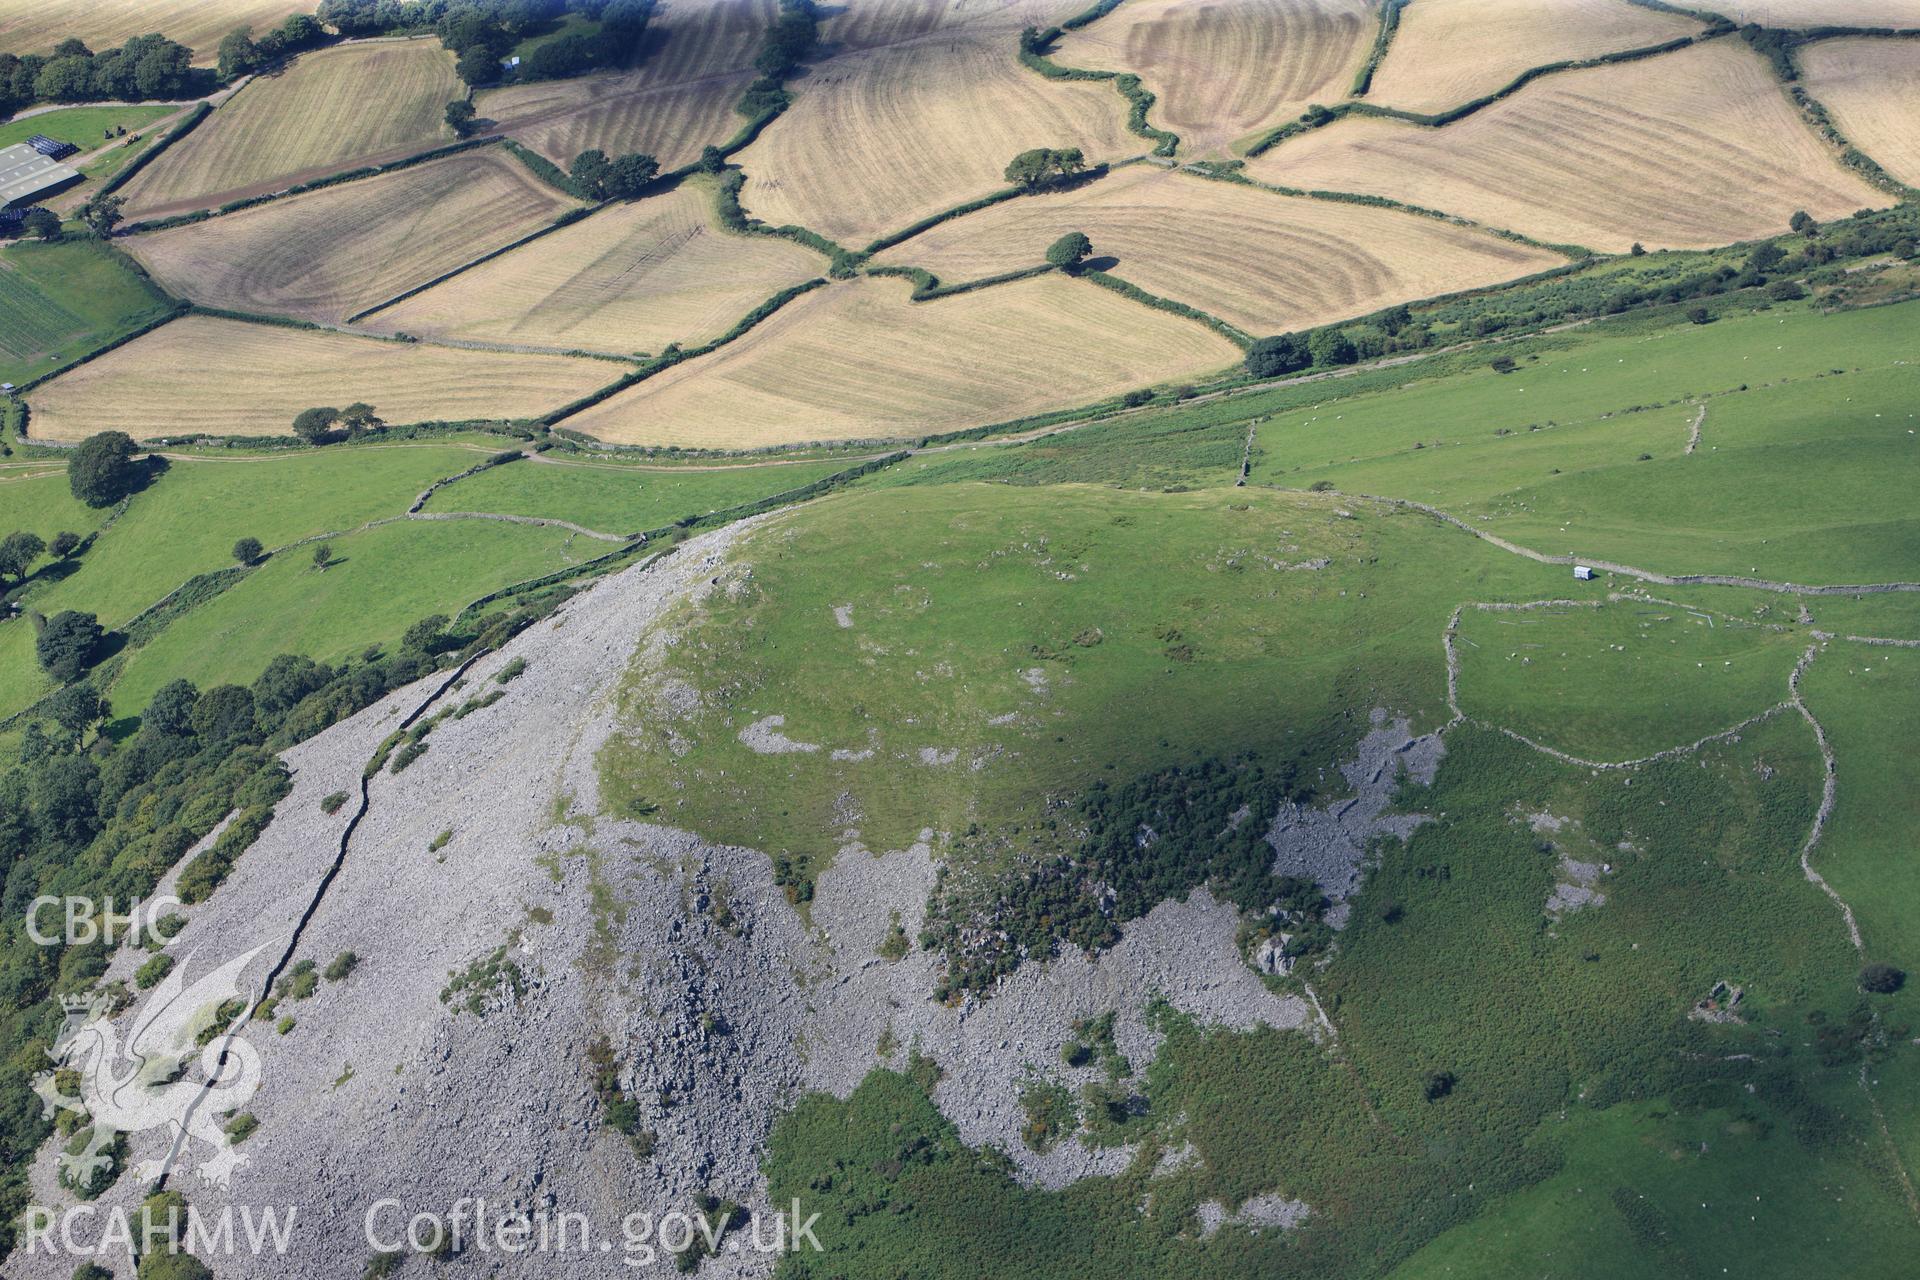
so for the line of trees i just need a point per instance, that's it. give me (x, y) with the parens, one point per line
(240, 53)
(144, 67)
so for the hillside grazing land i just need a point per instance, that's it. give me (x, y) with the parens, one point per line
(1447, 52)
(880, 138)
(1263, 262)
(1693, 148)
(1872, 89)
(331, 253)
(858, 361)
(29, 26)
(697, 59)
(59, 301)
(633, 277)
(1223, 70)
(333, 109)
(223, 377)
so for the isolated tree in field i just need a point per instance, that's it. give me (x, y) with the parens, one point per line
(18, 551)
(238, 53)
(629, 175)
(1271, 357)
(43, 223)
(1034, 169)
(67, 643)
(358, 418)
(64, 544)
(102, 214)
(460, 115)
(247, 550)
(322, 555)
(589, 173)
(101, 470)
(1803, 222)
(315, 425)
(1069, 251)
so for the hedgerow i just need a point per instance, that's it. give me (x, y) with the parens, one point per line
(1382, 40)
(1035, 44)
(1238, 337)
(201, 111)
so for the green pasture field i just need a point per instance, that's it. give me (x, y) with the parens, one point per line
(1134, 453)
(1620, 681)
(83, 126)
(187, 520)
(378, 583)
(60, 301)
(37, 498)
(1009, 643)
(623, 499)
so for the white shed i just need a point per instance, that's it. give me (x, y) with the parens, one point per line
(1583, 572)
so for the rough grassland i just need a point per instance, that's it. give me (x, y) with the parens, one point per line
(223, 377)
(1447, 52)
(1690, 149)
(982, 648)
(1224, 70)
(378, 583)
(1263, 262)
(333, 109)
(881, 138)
(633, 277)
(614, 498)
(1872, 87)
(1618, 682)
(59, 301)
(858, 361)
(30, 26)
(333, 252)
(679, 97)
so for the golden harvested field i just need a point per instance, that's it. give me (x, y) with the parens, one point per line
(331, 253)
(35, 26)
(880, 138)
(1447, 52)
(224, 377)
(857, 360)
(1872, 88)
(633, 277)
(1263, 262)
(1686, 150)
(680, 98)
(334, 109)
(1223, 70)
(869, 25)
(1806, 13)
(619, 114)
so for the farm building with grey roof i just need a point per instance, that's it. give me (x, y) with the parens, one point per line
(27, 176)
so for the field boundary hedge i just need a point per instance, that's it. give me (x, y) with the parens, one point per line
(1382, 40)
(1224, 174)
(200, 112)
(927, 286)
(674, 355)
(121, 341)
(542, 168)
(1126, 289)
(566, 219)
(1035, 46)
(300, 189)
(735, 218)
(1319, 117)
